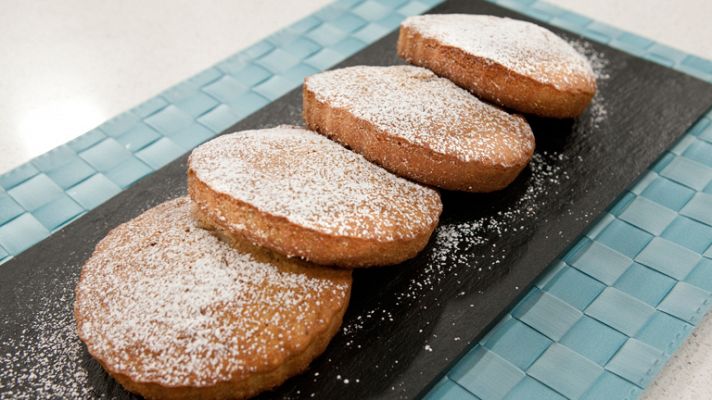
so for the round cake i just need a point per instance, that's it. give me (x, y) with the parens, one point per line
(171, 311)
(513, 63)
(300, 194)
(420, 126)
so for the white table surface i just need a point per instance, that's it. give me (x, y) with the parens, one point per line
(69, 65)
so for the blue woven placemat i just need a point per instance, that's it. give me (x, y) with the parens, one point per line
(599, 324)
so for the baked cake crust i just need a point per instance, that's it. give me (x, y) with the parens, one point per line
(515, 64)
(172, 312)
(300, 194)
(420, 126)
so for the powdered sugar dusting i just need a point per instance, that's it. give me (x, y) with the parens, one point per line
(520, 46)
(313, 182)
(597, 111)
(46, 357)
(164, 301)
(464, 248)
(414, 104)
(456, 243)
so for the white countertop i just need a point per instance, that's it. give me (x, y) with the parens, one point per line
(69, 65)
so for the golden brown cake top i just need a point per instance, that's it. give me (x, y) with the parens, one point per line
(164, 301)
(416, 105)
(520, 46)
(314, 182)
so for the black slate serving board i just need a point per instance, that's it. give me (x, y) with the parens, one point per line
(406, 324)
